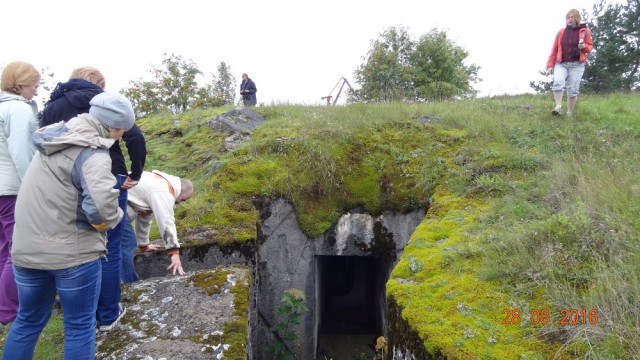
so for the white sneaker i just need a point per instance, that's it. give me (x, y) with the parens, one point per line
(556, 110)
(107, 327)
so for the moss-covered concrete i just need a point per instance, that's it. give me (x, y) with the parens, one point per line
(480, 171)
(199, 316)
(442, 298)
(328, 160)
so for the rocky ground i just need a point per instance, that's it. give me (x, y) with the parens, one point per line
(201, 315)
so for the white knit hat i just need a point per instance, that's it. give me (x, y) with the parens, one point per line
(113, 110)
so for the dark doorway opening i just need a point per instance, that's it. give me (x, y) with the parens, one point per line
(351, 304)
(348, 295)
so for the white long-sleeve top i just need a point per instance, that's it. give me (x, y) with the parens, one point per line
(152, 198)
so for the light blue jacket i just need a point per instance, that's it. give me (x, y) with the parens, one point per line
(17, 124)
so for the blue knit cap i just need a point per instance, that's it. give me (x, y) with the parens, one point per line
(112, 110)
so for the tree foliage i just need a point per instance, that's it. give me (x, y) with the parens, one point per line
(438, 68)
(175, 88)
(613, 64)
(225, 84)
(398, 68)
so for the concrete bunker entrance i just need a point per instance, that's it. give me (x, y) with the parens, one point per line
(351, 303)
(341, 275)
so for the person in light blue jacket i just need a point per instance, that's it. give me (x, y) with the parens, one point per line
(18, 111)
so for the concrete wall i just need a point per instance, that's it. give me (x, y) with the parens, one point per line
(286, 259)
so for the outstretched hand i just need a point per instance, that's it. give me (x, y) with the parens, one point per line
(150, 247)
(176, 265)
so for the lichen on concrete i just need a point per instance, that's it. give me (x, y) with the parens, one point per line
(182, 317)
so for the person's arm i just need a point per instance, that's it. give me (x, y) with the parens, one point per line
(142, 230)
(162, 204)
(588, 42)
(20, 128)
(99, 200)
(551, 61)
(137, 149)
(251, 88)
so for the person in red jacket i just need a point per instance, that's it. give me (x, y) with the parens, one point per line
(567, 60)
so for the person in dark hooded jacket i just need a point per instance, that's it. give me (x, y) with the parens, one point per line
(71, 99)
(248, 91)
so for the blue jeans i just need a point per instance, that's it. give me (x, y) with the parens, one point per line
(78, 288)
(569, 74)
(108, 309)
(129, 246)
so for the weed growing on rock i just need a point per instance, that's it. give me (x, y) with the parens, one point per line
(292, 309)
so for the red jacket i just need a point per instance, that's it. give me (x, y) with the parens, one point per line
(556, 50)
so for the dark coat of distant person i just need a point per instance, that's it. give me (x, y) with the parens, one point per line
(248, 91)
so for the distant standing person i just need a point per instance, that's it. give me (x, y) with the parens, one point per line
(19, 84)
(65, 206)
(248, 91)
(567, 60)
(68, 100)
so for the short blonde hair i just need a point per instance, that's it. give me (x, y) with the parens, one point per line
(576, 15)
(90, 74)
(18, 74)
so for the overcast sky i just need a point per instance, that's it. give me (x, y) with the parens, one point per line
(295, 51)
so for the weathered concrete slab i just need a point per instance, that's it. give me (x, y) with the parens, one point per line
(201, 315)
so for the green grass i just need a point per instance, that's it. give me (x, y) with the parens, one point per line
(562, 230)
(531, 210)
(525, 210)
(51, 341)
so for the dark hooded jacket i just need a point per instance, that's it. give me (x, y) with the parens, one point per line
(71, 99)
(248, 90)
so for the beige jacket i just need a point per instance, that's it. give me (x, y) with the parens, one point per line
(154, 197)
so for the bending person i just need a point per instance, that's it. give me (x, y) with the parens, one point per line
(154, 197)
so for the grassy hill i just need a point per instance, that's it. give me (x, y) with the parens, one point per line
(531, 215)
(532, 220)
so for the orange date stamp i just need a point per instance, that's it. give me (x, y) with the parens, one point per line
(543, 316)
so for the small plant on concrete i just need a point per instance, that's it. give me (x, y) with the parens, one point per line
(381, 348)
(292, 308)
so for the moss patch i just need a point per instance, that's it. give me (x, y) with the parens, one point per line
(211, 282)
(458, 315)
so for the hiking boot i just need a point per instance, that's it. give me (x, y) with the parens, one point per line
(107, 327)
(556, 110)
